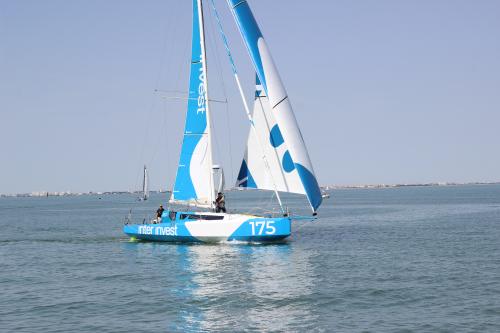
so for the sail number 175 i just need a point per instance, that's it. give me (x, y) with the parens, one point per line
(262, 227)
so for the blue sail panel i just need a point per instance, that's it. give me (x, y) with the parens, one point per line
(279, 103)
(245, 178)
(193, 173)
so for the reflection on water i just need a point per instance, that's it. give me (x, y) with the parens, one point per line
(378, 260)
(283, 279)
(264, 286)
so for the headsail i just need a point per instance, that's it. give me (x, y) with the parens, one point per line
(280, 173)
(194, 181)
(286, 129)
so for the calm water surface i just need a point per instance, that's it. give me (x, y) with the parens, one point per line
(419, 259)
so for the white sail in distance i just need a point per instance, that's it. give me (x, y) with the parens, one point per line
(145, 185)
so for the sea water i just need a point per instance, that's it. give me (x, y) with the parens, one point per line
(408, 259)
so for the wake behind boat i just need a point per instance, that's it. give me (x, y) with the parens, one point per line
(276, 158)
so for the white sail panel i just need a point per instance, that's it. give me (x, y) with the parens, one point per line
(280, 174)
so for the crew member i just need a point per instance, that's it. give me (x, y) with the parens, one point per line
(159, 212)
(220, 203)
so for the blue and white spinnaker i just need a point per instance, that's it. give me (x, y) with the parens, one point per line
(286, 131)
(280, 173)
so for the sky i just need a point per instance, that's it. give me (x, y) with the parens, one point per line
(388, 91)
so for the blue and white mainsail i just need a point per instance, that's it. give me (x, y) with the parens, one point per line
(278, 128)
(194, 181)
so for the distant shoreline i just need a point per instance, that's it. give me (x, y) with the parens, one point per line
(368, 186)
(323, 188)
(68, 193)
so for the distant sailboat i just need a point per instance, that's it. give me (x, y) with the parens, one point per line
(276, 157)
(145, 185)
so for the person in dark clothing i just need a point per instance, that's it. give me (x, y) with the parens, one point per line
(220, 203)
(159, 212)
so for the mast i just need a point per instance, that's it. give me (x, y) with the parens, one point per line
(194, 182)
(207, 110)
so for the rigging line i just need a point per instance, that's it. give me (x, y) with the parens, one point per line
(163, 141)
(163, 64)
(162, 136)
(207, 105)
(264, 203)
(193, 99)
(177, 87)
(161, 67)
(224, 90)
(186, 94)
(180, 92)
(223, 35)
(173, 66)
(230, 141)
(213, 41)
(179, 67)
(167, 146)
(210, 39)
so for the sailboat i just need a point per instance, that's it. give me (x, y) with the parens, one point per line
(145, 184)
(275, 159)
